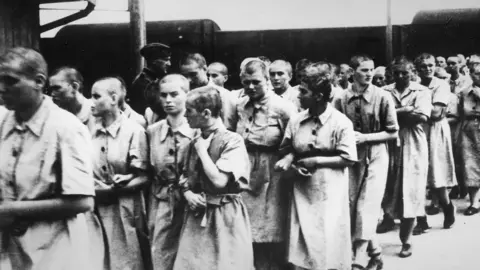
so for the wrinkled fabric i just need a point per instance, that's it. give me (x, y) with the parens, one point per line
(469, 137)
(119, 149)
(166, 203)
(441, 166)
(133, 115)
(371, 112)
(44, 157)
(319, 230)
(262, 124)
(219, 236)
(405, 192)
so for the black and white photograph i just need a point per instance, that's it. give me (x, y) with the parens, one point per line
(239, 135)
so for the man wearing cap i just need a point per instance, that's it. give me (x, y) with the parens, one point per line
(157, 57)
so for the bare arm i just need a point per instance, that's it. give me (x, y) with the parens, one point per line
(382, 136)
(218, 178)
(58, 208)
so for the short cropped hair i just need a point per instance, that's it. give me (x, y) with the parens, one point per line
(72, 75)
(403, 60)
(31, 61)
(284, 63)
(302, 64)
(206, 97)
(113, 79)
(194, 58)
(318, 78)
(420, 58)
(254, 66)
(184, 84)
(223, 68)
(356, 60)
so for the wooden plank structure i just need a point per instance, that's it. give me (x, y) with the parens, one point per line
(20, 22)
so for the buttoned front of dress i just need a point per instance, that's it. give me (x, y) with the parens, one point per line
(262, 126)
(47, 156)
(120, 148)
(441, 167)
(370, 112)
(319, 235)
(409, 155)
(167, 206)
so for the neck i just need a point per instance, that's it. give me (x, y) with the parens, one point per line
(76, 105)
(26, 114)
(455, 76)
(209, 127)
(343, 84)
(110, 117)
(359, 88)
(425, 81)
(176, 120)
(317, 109)
(281, 90)
(401, 88)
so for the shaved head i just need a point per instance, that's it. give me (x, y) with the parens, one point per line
(176, 79)
(219, 67)
(283, 65)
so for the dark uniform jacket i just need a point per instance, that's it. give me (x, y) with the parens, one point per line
(136, 93)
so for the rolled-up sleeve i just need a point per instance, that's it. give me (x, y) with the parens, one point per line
(389, 114)
(346, 145)
(76, 163)
(234, 159)
(138, 152)
(423, 103)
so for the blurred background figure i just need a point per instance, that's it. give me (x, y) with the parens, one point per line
(441, 62)
(345, 73)
(157, 58)
(217, 73)
(379, 76)
(442, 74)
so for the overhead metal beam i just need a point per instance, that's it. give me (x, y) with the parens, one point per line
(65, 20)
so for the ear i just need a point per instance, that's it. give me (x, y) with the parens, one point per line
(207, 113)
(40, 81)
(226, 77)
(319, 97)
(115, 98)
(76, 86)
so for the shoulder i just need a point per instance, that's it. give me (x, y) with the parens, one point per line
(228, 138)
(389, 88)
(65, 123)
(156, 127)
(298, 117)
(281, 105)
(340, 119)
(414, 86)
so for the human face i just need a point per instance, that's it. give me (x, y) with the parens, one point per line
(17, 90)
(453, 65)
(161, 65)
(299, 75)
(363, 74)
(216, 76)
(440, 62)
(379, 80)
(306, 97)
(172, 98)
(255, 85)
(402, 75)
(426, 69)
(196, 75)
(344, 73)
(62, 92)
(279, 76)
(475, 75)
(195, 118)
(103, 102)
